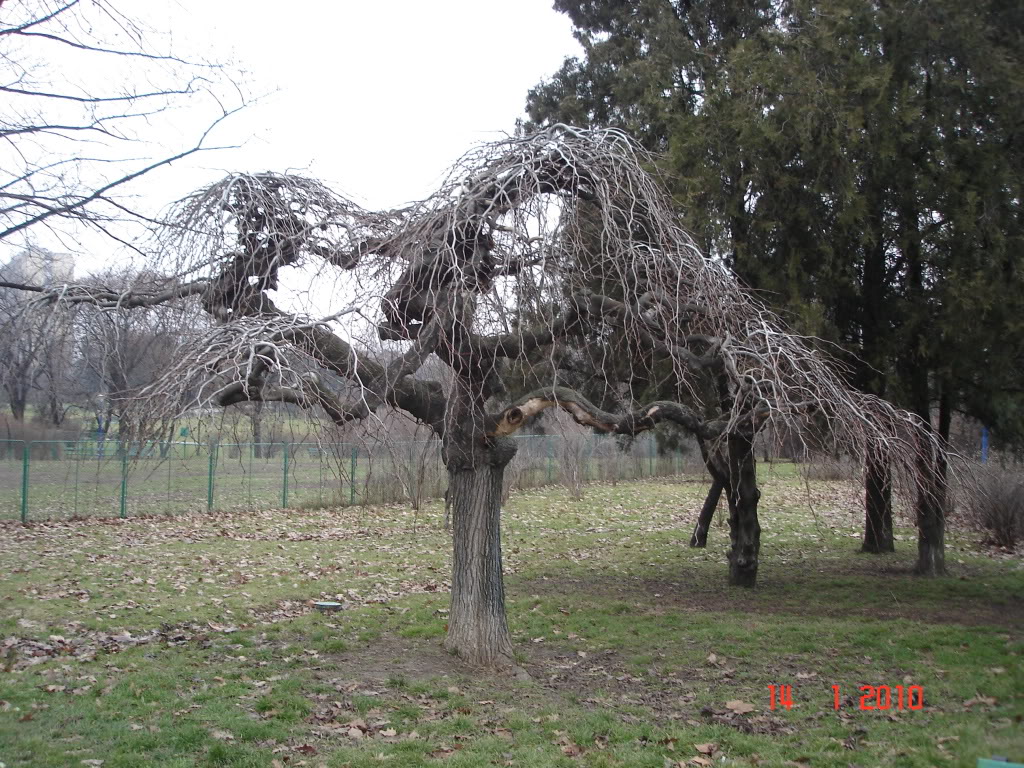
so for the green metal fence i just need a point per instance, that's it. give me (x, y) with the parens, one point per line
(55, 479)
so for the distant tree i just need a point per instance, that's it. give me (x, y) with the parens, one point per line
(496, 269)
(119, 350)
(35, 345)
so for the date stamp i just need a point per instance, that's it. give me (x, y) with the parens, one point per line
(872, 697)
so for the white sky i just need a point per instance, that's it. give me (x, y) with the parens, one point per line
(375, 97)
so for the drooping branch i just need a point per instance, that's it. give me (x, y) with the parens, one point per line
(540, 255)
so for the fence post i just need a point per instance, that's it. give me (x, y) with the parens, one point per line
(124, 482)
(78, 463)
(252, 450)
(651, 443)
(352, 475)
(170, 461)
(26, 452)
(551, 457)
(209, 477)
(320, 462)
(284, 487)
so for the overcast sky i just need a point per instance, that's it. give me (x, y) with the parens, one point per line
(377, 97)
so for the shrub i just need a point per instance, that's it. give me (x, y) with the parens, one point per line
(826, 469)
(995, 500)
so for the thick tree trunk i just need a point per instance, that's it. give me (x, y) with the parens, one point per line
(930, 507)
(743, 495)
(878, 535)
(18, 408)
(707, 513)
(933, 501)
(931, 535)
(477, 627)
(874, 310)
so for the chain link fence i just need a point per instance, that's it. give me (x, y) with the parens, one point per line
(60, 479)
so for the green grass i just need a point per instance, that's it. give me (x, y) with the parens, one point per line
(613, 616)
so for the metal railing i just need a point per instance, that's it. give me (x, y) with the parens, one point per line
(59, 479)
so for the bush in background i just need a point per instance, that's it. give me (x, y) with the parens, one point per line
(995, 501)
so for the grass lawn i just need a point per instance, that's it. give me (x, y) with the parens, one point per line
(190, 641)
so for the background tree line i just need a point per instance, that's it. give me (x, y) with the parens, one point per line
(859, 164)
(78, 357)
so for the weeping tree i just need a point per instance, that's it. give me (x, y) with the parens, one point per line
(530, 245)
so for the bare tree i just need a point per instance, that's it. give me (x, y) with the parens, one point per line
(35, 346)
(120, 350)
(534, 245)
(83, 85)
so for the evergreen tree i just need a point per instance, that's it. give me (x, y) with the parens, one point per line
(858, 163)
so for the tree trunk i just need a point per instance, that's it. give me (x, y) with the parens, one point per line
(878, 536)
(18, 409)
(743, 495)
(930, 506)
(931, 537)
(477, 627)
(257, 430)
(707, 513)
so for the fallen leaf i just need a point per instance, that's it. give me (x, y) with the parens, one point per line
(988, 701)
(706, 749)
(739, 707)
(222, 735)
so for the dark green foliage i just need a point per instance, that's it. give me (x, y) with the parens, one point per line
(859, 164)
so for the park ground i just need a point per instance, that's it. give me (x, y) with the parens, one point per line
(191, 640)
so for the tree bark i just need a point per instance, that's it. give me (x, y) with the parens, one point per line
(477, 627)
(931, 537)
(18, 409)
(707, 513)
(930, 507)
(257, 430)
(878, 534)
(743, 495)
(930, 504)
